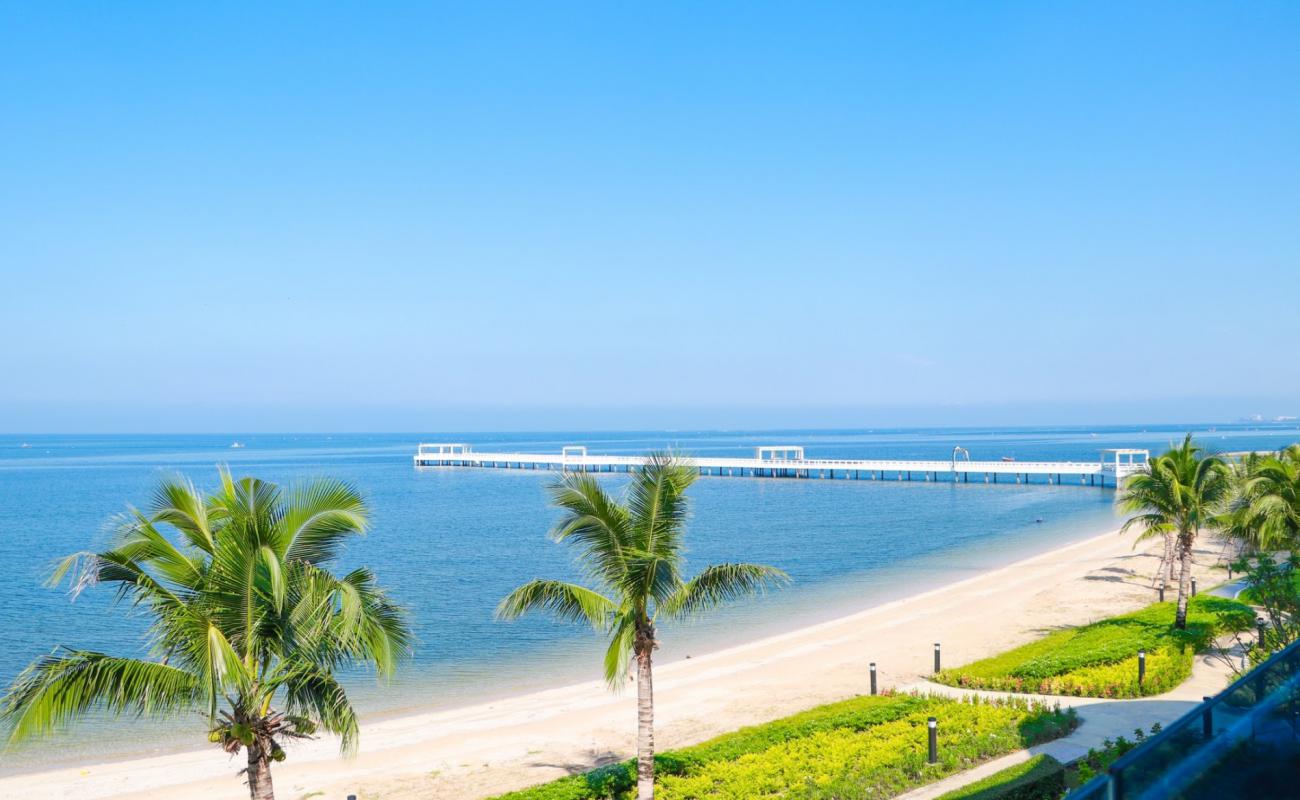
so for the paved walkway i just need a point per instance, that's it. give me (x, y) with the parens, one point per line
(1099, 719)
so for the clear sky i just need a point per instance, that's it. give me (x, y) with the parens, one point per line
(379, 216)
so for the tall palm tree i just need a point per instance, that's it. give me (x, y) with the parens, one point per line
(248, 625)
(633, 551)
(1182, 490)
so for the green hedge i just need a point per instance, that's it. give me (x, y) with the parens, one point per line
(857, 748)
(1040, 778)
(1100, 659)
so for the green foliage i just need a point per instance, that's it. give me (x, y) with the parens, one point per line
(245, 615)
(1040, 778)
(1264, 511)
(632, 548)
(855, 748)
(1100, 659)
(1098, 761)
(1275, 588)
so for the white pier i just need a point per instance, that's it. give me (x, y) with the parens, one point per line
(1110, 469)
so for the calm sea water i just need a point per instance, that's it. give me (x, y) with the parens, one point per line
(451, 542)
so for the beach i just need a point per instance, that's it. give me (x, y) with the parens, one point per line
(487, 748)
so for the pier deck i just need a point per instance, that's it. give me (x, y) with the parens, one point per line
(789, 462)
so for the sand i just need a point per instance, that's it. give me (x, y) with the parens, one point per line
(506, 744)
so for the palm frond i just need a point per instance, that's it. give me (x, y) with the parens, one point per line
(651, 577)
(564, 601)
(60, 687)
(722, 583)
(178, 503)
(595, 522)
(316, 694)
(619, 652)
(318, 518)
(376, 632)
(657, 505)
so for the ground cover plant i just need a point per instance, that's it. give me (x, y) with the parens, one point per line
(1040, 778)
(1101, 659)
(864, 747)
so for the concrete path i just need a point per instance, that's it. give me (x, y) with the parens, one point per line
(1230, 590)
(1099, 719)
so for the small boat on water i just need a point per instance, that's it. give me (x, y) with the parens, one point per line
(236, 444)
(1008, 458)
(25, 446)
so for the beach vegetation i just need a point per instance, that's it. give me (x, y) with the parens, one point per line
(866, 747)
(1098, 761)
(633, 551)
(1272, 586)
(1182, 491)
(1101, 659)
(248, 620)
(1263, 512)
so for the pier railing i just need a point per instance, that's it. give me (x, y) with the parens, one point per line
(764, 465)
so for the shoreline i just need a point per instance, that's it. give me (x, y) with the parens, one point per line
(820, 603)
(486, 747)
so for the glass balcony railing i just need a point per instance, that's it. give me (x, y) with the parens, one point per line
(1244, 742)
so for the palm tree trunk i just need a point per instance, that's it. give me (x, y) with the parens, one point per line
(645, 714)
(1184, 579)
(1167, 568)
(259, 771)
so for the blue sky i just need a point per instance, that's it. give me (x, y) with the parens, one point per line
(482, 215)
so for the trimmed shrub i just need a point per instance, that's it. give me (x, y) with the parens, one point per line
(1100, 659)
(858, 748)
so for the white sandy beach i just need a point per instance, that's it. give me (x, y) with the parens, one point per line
(493, 747)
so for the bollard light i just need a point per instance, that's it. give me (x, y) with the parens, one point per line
(933, 724)
(1142, 666)
(1193, 587)
(1259, 627)
(873, 677)
(1162, 591)
(936, 656)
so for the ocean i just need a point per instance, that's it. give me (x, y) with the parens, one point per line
(449, 543)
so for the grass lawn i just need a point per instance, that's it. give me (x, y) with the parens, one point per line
(867, 747)
(1040, 778)
(1100, 659)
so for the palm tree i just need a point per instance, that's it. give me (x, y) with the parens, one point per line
(1265, 510)
(633, 551)
(248, 624)
(1236, 520)
(1181, 491)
